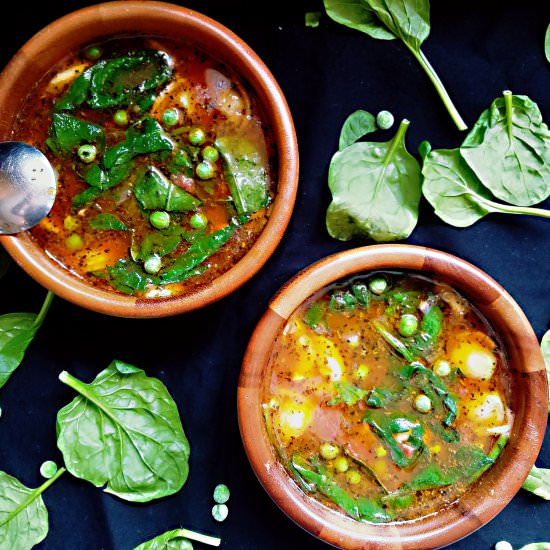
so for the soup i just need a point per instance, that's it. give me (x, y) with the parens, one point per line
(387, 396)
(165, 165)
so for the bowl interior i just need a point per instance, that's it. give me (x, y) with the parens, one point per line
(134, 18)
(494, 489)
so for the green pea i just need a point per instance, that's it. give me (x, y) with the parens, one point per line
(74, 242)
(408, 324)
(196, 136)
(221, 493)
(198, 221)
(378, 285)
(205, 170)
(328, 450)
(442, 367)
(152, 264)
(341, 464)
(48, 469)
(160, 219)
(87, 153)
(422, 403)
(170, 117)
(353, 477)
(210, 153)
(120, 118)
(93, 53)
(384, 120)
(220, 511)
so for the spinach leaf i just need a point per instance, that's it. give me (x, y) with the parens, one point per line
(314, 317)
(312, 19)
(357, 14)
(509, 150)
(23, 514)
(177, 539)
(385, 426)
(17, 331)
(107, 222)
(68, 132)
(245, 173)
(124, 432)
(547, 43)
(375, 190)
(315, 475)
(129, 277)
(202, 247)
(545, 348)
(358, 124)
(408, 20)
(347, 393)
(160, 243)
(155, 192)
(457, 195)
(538, 482)
(118, 81)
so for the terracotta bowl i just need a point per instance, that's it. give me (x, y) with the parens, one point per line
(129, 18)
(492, 492)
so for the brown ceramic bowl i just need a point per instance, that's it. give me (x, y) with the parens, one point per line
(130, 18)
(492, 492)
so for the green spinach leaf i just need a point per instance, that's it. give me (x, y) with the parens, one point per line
(347, 393)
(358, 15)
(408, 20)
(457, 195)
(118, 81)
(509, 150)
(312, 19)
(17, 331)
(160, 243)
(375, 190)
(538, 482)
(68, 132)
(23, 514)
(124, 432)
(358, 124)
(128, 277)
(547, 43)
(156, 192)
(107, 222)
(246, 174)
(202, 247)
(177, 539)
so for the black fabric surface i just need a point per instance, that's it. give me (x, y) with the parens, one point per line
(479, 49)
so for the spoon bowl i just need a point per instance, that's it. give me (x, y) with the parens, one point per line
(28, 186)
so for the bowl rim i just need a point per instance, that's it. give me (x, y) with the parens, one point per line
(477, 507)
(274, 105)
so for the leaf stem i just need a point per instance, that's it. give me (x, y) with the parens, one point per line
(43, 310)
(33, 495)
(199, 537)
(432, 75)
(496, 207)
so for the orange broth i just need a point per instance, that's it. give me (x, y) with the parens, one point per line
(207, 95)
(341, 390)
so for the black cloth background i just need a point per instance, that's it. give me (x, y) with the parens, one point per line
(479, 49)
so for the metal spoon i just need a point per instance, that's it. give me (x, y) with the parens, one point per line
(28, 185)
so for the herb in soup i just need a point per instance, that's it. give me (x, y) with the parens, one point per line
(165, 163)
(386, 396)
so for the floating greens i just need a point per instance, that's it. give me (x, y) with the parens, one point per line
(177, 539)
(375, 190)
(23, 514)
(124, 432)
(407, 20)
(118, 81)
(17, 331)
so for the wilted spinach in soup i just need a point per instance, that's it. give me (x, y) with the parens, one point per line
(165, 165)
(387, 396)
